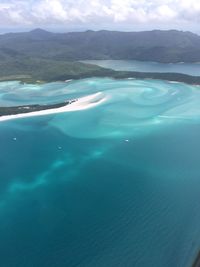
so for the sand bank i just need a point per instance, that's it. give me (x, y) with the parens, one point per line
(81, 104)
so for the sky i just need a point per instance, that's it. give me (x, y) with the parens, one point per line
(127, 15)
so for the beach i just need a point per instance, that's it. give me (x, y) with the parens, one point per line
(82, 103)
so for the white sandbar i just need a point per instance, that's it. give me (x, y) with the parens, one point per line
(80, 104)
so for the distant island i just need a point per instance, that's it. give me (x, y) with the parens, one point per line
(40, 56)
(160, 46)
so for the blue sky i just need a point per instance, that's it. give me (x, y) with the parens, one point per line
(99, 14)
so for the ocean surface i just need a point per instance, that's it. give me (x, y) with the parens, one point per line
(117, 185)
(144, 66)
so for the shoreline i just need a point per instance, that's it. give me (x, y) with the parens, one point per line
(15, 110)
(109, 73)
(82, 103)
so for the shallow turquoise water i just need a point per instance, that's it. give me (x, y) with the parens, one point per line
(115, 185)
(144, 66)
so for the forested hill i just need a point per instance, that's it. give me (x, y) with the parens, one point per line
(160, 46)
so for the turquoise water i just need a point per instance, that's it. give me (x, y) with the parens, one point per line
(143, 66)
(115, 185)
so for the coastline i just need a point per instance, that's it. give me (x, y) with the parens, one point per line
(107, 73)
(82, 103)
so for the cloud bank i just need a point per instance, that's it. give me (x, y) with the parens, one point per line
(98, 12)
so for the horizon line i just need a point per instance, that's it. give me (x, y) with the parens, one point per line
(42, 29)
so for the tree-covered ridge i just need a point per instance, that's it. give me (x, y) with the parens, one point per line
(41, 56)
(32, 70)
(160, 46)
(41, 70)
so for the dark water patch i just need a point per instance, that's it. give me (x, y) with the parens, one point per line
(121, 209)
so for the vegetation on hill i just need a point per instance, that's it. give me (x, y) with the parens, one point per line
(160, 46)
(32, 70)
(41, 70)
(41, 56)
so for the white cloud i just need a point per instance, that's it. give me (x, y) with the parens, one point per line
(48, 10)
(99, 12)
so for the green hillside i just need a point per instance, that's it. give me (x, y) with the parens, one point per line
(41, 56)
(160, 46)
(32, 70)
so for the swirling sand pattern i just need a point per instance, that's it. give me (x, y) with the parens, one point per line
(114, 185)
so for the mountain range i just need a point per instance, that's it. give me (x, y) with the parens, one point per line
(160, 46)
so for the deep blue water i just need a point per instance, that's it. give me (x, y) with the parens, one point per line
(115, 185)
(144, 66)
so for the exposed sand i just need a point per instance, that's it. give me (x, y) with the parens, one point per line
(81, 104)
